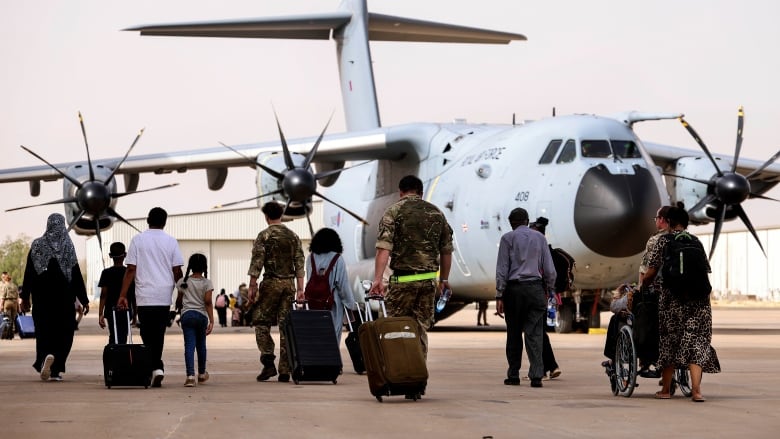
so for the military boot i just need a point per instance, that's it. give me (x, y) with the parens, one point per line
(269, 370)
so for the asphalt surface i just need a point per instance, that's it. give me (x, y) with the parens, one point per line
(466, 397)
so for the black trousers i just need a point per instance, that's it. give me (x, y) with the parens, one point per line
(524, 308)
(154, 322)
(548, 356)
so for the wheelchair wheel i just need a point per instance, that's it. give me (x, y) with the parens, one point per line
(625, 363)
(682, 377)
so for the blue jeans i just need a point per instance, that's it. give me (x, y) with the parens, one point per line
(194, 324)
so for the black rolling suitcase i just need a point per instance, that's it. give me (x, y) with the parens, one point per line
(312, 348)
(353, 341)
(393, 354)
(126, 364)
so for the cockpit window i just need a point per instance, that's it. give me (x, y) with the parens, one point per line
(569, 152)
(549, 153)
(595, 148)
(626, 149)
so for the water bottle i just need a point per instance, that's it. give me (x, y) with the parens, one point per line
(443, 298)
(552, 310)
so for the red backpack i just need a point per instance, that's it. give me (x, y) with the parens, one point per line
(317, 291)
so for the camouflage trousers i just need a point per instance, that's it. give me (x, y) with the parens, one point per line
(273, 304)
(413, 299)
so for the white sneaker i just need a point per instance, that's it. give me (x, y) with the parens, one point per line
(46, 368)
(190, 382)
(157, 377)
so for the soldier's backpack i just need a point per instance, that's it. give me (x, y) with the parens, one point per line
(564, 269)
(685, 270)
(317, 291)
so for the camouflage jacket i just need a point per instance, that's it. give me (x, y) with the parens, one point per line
(8, 290)
(277, 252)
(416, 233)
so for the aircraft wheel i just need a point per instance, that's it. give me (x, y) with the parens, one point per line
(565, 322)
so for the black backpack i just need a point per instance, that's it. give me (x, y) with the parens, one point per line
(564, 270)
(685, 271)
(317, 291)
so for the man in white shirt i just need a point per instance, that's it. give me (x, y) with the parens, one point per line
(154, 262)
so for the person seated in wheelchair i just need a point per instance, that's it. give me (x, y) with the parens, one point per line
(641, 306)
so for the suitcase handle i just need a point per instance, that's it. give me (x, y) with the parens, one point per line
(349, 313)
(296, 302)
(129, 328)
(380, 299)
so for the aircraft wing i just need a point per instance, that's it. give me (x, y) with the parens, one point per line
(381, 143)
(665, 156)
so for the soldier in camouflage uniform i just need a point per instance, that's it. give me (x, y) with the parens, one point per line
(417, 240)
(9, 295)
(277, 252)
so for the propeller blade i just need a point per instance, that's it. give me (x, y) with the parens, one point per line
(241, 154)
(122, 194)
(60, 201)
(740, 125)
(116, 168)
(701, 144)
(752, 195)
(86, 144)
(76, 219)
(308, 219)
(704, 201)
(100, 240)
(64, 175)
(322, 175)
(697, 180)
(353, 214)
(720, 216)
(287, 157)
(254, 163)
(762, 167)
(113, 212)
(313, 152)
(220, 206)
(743, 216)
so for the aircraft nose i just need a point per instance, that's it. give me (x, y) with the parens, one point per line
(614, 212)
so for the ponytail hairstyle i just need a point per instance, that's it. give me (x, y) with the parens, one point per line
(196, 264)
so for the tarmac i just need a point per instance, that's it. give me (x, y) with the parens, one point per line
(466, 397)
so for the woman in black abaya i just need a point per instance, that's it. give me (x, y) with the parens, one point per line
(52, 279)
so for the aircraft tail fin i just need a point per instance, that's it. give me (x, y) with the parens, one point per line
(351, 27)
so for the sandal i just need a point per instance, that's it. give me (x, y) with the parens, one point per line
(698, 398)
(661, 395)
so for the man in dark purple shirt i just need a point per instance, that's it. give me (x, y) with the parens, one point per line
(524, 271)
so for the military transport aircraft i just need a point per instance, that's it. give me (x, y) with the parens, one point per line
(592, 175)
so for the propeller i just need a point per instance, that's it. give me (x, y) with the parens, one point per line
(93, 197)
(297, 183)
(727, 189)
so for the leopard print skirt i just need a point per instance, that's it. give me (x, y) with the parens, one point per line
(685, 330)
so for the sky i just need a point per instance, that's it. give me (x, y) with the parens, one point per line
(703, 58)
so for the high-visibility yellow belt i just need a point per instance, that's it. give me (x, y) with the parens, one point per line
(413, 277)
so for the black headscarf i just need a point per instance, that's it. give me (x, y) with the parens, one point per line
(55, 243)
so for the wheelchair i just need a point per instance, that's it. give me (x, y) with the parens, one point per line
(623, 372)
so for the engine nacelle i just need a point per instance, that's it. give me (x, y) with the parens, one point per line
(691, 192)
(267, 183)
